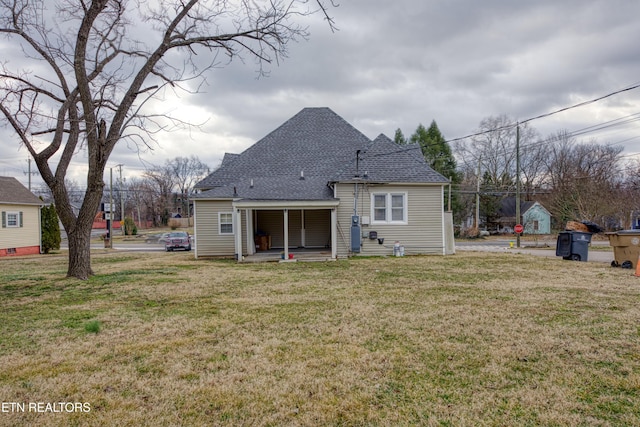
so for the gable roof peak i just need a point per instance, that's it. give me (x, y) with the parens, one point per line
(13, 192)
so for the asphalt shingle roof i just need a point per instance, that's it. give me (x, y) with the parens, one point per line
(322, 146)
(385, 161)
(508, 207)
(13, 192)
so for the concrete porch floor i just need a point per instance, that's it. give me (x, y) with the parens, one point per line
(299, 254)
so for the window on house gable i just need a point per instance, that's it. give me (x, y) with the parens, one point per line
(389, 208)
(225, 222)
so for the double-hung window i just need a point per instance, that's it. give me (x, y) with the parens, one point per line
(225, 222)
(11, 219)
(389, 208)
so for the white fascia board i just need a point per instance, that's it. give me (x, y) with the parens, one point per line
(286, 204)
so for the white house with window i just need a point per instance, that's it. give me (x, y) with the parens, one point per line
(20, 232)
(316, 182)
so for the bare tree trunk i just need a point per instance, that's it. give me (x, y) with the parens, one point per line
(100, 81)
(79, 230)
(80, 254)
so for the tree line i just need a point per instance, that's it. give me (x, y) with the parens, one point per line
(573, 178)
(153, 198)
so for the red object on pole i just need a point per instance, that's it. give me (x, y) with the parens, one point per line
(518, 228)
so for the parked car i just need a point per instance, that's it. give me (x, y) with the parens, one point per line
(178, 240)
(157, 238)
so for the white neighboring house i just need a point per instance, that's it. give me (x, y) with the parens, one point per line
(316, 182)
(21, 232)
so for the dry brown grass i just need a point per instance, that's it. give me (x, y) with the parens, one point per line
(472, 339)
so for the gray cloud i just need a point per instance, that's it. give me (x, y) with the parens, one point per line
(397, 64)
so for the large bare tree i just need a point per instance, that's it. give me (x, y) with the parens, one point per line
(494, 147)
(583, 179)
(160, 182)
(187, 172)
(88, 69)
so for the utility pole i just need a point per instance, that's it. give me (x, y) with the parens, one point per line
(518, 181)
(111, 208)
(121, 200)
(478, 196)
(29, 173)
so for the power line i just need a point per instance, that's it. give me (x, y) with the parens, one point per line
(566, 134)
(581, 104)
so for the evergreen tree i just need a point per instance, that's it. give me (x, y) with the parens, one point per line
(437, 153)
(399, 138)
(50, 228)
(130, 228)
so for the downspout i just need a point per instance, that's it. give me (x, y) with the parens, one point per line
(40, 226)
(355, 198)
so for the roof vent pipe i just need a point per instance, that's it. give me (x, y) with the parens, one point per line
(302, 174)
(251, 183)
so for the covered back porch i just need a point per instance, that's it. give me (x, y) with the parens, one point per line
(272, 230)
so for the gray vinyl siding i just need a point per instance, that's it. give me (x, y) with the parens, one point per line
(317, 225)
(317, 228)
(295, 228)
(209, 241)
(422, 234)
(271, 223)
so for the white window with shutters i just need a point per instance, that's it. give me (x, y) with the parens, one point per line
(11, 219)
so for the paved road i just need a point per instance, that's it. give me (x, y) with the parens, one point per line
(504, 246)
(130, 247)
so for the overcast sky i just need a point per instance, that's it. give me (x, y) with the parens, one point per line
(396, 64)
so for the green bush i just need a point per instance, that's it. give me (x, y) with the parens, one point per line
(50, 229)
(130, 228)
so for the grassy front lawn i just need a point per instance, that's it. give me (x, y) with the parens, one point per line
(472, 339)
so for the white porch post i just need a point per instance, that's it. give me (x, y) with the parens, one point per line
(238, 235)
(251, 244)
(286, 234)
(334, 233)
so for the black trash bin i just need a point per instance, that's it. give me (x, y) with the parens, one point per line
(573, 245)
